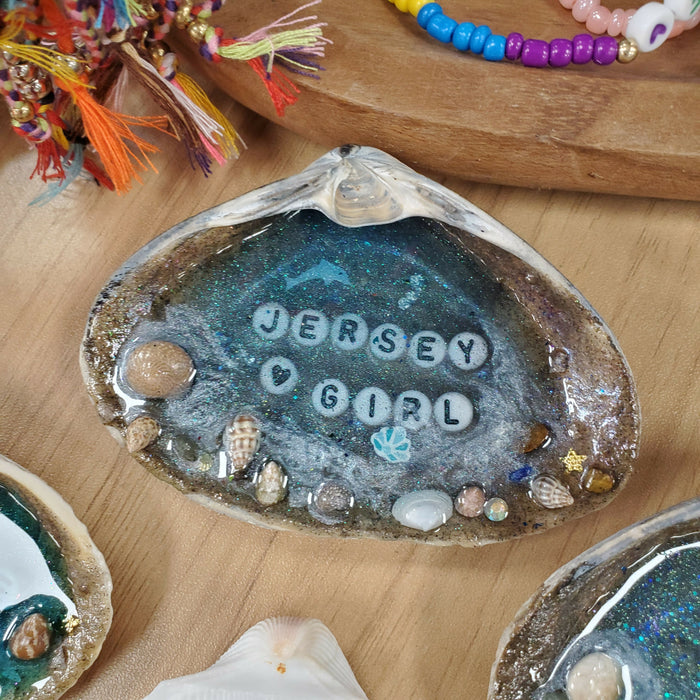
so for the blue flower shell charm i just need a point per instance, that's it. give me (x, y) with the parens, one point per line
(392, 444)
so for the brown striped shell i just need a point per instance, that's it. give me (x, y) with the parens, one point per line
(158, 369)
(241, 441)
(550, 492)
(271, 484)
(141, 432)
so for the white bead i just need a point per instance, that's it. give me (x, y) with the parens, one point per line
(309, 328)
(330, 398)
(595, 677)
(372, 406)
(453, 412)
(468, 350)
(650, 26)
(427, 349)
(387, 342)
(278, 375)
(412, 410)
(683, 9)
(270, 321)
(349, 332)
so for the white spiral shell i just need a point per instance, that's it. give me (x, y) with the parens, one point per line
(283, 658)
(549, 492)
(271, 484)
(241, 441)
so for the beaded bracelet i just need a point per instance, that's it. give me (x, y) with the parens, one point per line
(675, 16)
(537, 53)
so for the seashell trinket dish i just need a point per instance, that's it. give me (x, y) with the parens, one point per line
(55, 588)
(282, 658)
(358, 351)
(620, 621)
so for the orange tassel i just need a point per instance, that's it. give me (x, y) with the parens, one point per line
(282, 90)
(108, 132)
(59, 24)
(48, 157)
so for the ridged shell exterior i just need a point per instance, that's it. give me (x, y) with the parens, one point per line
(423, 510)
(241, 441)
(271, 485)
(141, 432)
(550, 492)
(159, 369)
(283, 658)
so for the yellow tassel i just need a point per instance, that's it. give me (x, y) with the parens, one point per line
(228, 139)
(59, 137)
(53, 62)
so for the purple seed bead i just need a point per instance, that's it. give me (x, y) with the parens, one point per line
(535, 53)
(560, 52)
(604, 50)
(583, 48)
(514, 45)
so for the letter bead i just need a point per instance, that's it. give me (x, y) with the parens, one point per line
(309, 328)
(372, 406)
(388, 342)
(650, 26)
(683, 9)
(453, 412)
(427, 349)
(468, 351)
(278, 375)
(270, 321)
(412, 410)
(330, 398)
(349, 332)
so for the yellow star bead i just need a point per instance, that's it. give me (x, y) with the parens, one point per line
(573, 462)
(71, 623)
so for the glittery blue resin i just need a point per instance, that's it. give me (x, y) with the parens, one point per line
(634, 597)
(390, 354)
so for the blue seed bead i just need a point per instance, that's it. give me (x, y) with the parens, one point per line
(462, 35)
(479, 37)
(441, 27)
(426, 12)
(495, 48)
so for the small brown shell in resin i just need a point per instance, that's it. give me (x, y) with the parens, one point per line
(597, 480)
(470, 502)
(141, 432)
(31, 639)
(550, 492)
(241, 441)
(271, 484)
(538, 436)
(159, 369)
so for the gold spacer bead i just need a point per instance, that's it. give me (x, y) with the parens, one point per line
(22, 112)
(157, 51)
(627, 51)
(183, 16)
(197, 30)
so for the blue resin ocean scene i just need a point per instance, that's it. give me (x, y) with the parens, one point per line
(360, 325)
(622, 620)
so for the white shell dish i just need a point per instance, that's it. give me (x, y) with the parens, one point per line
(358, 324)
(282, 658)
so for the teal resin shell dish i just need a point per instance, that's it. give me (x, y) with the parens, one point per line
(618, 622)
(357, 351)
(55, 590)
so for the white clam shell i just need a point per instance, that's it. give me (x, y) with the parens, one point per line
(282, 658)
(423, 510)
(550, 492)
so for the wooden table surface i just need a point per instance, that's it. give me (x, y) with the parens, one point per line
(414, 621)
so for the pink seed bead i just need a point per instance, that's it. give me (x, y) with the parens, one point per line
(568, 4)
(598, 20)
(618, 22)
(582, 8)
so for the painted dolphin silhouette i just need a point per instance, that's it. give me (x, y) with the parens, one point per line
(324, 271)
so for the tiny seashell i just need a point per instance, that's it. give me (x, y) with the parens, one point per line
(423, 510)
(538, 436)
(158, 369)
(241, 441)
(271, 484)
(470, 501)
(31, 639)
(597, 676)
(141, 432)
(550, 492)
(283, 657)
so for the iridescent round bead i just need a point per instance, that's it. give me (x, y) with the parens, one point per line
(496, 509)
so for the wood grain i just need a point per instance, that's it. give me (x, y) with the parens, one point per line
(415, 622)
(630, 129)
